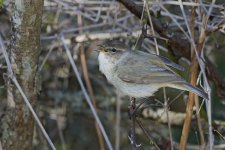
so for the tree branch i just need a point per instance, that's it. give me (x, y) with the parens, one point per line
(177, 44)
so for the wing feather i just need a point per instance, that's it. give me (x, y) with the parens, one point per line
(132, 70)
(171, 64)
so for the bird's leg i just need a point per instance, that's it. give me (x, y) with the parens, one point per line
(132, 107)
(132, 116)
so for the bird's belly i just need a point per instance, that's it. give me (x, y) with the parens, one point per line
(136, 90)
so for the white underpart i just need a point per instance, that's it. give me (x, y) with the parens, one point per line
(130, 89)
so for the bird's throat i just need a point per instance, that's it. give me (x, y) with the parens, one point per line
(105, 65)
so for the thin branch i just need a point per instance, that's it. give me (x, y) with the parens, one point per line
(118, 118)
(61, 136)
(146, 134)
(194, 98)
(88, 84)
(197, 50)
(87, 98)
(5, 54)
(13, 78)
(91, 93)
(168, 118)
(164, 91)
(151, 26)
(53, 45)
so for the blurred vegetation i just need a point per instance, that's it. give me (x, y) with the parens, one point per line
(62, 107)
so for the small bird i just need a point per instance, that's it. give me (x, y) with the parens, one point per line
(139, 74)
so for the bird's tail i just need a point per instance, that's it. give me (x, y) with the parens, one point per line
(188, 87)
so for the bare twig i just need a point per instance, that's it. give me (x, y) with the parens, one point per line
(146, 134)
(53, 45)
(164, 91)
(13, 78)
(151, 26)
(132, 115)
(91, 93)
(202, 139)
(87, 98)
(194, 69)
(168, 118)
(62, 139)
(194, 98)
(88, 84)
(177, 41)
(117, 125)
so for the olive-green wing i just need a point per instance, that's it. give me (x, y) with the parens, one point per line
(158, 60)
(170, 63)
(145, 73)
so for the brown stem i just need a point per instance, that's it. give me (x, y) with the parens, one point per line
(196, 98)
(189, 108)
(177, 45)
(91, 93)
(194, 76)
(89, 87)
(202, 139)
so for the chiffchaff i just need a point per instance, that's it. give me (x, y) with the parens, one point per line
(140, 74)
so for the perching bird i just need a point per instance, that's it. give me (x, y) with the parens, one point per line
(139, 74)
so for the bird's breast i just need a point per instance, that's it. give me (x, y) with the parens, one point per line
(105, 66)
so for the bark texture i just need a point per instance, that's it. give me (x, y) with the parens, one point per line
(17, 123)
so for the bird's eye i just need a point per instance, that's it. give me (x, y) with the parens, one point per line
(113, 50)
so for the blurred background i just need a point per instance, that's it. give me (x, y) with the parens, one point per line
(87, 23)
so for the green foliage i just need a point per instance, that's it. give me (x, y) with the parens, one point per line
(1, 3)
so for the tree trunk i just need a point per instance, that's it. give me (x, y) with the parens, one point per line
(17, 123)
